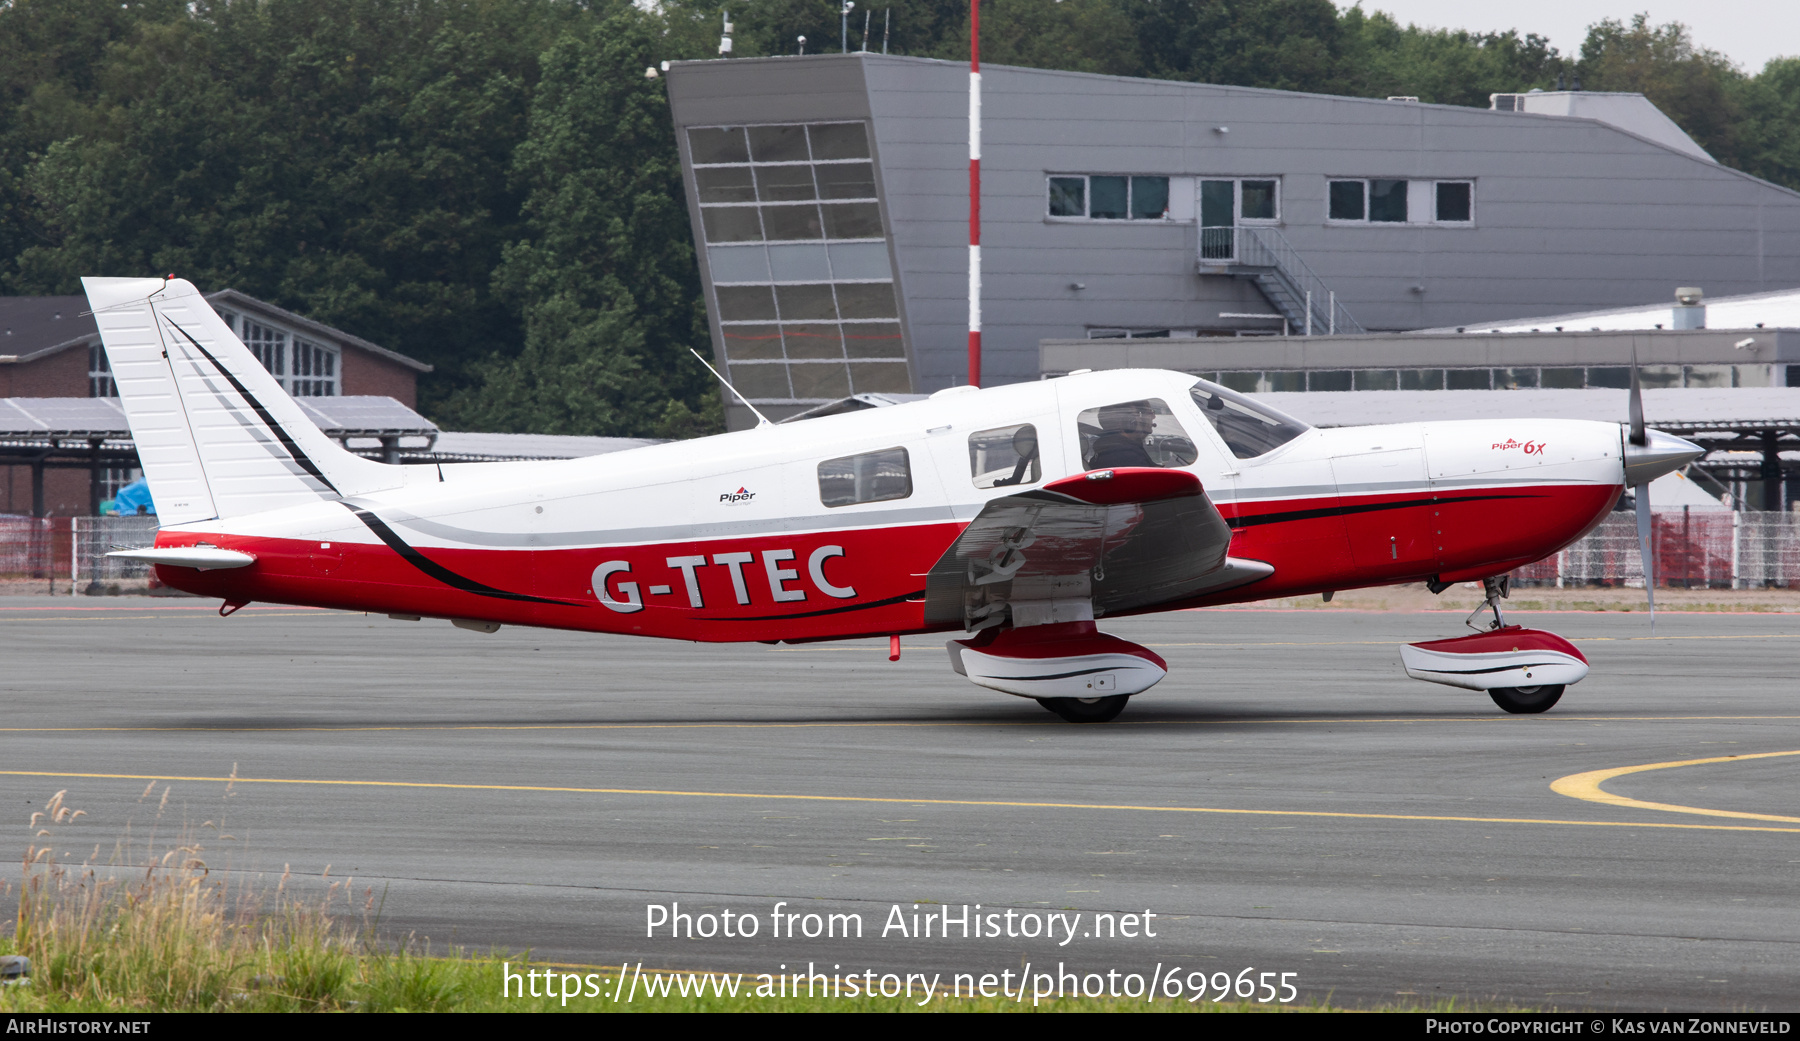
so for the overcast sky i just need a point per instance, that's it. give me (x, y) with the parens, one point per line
(1749, 32)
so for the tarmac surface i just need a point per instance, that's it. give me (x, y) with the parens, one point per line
(1286, 801)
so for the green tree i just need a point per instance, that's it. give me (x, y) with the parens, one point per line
(344, 158)
(606, 281)
(1445, 66)
(1769, 133)
(50, 60)
(1695, 87)
(1283, 44)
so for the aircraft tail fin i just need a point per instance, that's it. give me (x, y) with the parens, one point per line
(216, 434)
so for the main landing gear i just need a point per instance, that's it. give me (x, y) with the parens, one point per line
(1070, 668)
(1523, 670)
(1087, 710)
(1527, 701)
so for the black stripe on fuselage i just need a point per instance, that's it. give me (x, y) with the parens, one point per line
(287, 441)
(903, 597)
(439, 571)
(1367, 507)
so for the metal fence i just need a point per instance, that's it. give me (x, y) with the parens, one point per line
(92, 538)
(1712, 549)
(34, 552)
(1699, 549)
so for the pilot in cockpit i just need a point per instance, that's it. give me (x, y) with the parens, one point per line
(1123, 429)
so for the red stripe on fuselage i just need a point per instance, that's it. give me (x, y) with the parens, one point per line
(1337, 542)
(1315, 544)
(873, 582)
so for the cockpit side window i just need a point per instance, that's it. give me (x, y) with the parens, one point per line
(1004, 456)
(1134, 433)
(1249, 428)
(870, 477)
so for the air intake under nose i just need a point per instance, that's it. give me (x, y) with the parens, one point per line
(1660, 454)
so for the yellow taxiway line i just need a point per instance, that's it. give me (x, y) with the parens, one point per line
(870, 799)
(1586, 786)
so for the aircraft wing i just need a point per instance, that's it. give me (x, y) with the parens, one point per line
(1124, 539)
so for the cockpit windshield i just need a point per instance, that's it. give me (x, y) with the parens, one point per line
(1249, 428)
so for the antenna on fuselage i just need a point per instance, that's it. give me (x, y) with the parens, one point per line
(762, 420)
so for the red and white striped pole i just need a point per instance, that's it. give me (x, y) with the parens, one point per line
(974, 193)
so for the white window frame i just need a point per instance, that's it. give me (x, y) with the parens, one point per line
(1087, 197)
(294, 355)
(1470, 181)
(1237, 201)
(100, 377)
(1421, 203)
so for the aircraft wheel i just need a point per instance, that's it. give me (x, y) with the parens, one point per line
(1089, 710)
(1527, 701)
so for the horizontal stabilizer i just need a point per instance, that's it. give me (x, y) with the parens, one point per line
(206, 558)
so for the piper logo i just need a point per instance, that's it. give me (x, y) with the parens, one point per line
(1530, 447)
(741, 495)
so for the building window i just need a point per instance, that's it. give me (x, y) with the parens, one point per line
(1348, 201)
(1375, 201)
(113, 478)
(803, 288)
(100, 377)
(1224, 203)
(303, 368)
(1109, 197)
(1393, 201)
(1455, 202)
(1139, 334)
(1614, 377)
(314, 370)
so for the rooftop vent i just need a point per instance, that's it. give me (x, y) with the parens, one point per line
(1689, 311)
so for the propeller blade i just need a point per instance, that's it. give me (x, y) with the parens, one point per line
(1635, 404)
(1643, 530)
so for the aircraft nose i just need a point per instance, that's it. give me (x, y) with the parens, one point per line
(1660, 454)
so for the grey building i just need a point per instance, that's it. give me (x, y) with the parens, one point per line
(829, 203)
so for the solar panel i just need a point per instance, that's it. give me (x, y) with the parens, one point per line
(365, 416)
(63, 417)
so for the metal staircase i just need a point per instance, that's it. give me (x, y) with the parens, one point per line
(1264, 256)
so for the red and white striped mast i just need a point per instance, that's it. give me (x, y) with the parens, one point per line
(974, 193)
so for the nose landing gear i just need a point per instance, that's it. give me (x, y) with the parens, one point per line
(1524, 671)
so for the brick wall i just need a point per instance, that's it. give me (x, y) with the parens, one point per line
(366, 373)
(61, 375)
(65, 492)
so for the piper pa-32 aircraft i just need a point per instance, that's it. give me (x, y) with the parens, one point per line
(1018, 516)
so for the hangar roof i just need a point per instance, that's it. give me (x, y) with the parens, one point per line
(1776, 310)
(1673, 409)
(104, 418)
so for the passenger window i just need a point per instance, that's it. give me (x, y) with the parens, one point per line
(870, 477)
(1133, 433)
(1004, 456)
(1249, 428)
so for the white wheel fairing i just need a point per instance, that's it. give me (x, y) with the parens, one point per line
(1526, 667)
(1074, 676)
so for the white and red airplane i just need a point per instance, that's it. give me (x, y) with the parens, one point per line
(1018, 515)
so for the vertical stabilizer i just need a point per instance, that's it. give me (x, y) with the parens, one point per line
(216, 434)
